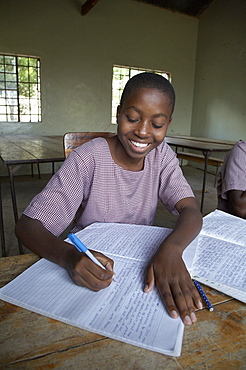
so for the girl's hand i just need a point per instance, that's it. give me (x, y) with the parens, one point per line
(86, 273)
(80, 268)
(168, 271)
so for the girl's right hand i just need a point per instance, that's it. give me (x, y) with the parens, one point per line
(80, 268)
(84, 272)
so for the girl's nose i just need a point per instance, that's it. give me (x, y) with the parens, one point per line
(142, 129)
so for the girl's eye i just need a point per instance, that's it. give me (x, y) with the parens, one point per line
(131, 120)
(156, 126)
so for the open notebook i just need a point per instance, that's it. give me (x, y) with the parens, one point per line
(220, 258)
(122, 311)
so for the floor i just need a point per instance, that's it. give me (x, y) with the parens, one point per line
(27, 187)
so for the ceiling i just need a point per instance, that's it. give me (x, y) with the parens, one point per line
(189, 7)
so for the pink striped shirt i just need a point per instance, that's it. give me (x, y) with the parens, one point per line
(232, 176)
(91, 187)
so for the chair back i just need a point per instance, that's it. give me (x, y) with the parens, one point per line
(72, 140)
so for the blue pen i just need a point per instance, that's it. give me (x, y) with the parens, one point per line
(203, 295)
(82, 248)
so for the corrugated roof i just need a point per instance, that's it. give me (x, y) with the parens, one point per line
(189, 7)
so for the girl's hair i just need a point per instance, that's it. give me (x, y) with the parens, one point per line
(150, 81)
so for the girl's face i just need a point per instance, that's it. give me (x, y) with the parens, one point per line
(143, 120)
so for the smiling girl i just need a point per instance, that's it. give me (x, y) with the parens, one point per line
(120, 179)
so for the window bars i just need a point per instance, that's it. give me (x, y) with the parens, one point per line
(20, 95)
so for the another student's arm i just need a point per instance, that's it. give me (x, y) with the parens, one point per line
(167, 269)
(81, 269)
(237, 198)
(234, 179)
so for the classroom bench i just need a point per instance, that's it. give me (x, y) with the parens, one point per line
(199, 158)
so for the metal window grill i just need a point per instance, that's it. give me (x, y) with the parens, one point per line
(121, 74)
(20, 93)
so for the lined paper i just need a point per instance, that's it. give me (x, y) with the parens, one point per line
(122, 311)
(220, 258)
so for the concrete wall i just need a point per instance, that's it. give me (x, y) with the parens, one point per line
(219, 104)
(78, 52)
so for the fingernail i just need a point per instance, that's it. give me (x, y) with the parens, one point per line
(146, 288)
(108, 266)
(187, 320)
(174, 314)
(193, 317)
(199, 305)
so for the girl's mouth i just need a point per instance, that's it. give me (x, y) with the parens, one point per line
(139, 145)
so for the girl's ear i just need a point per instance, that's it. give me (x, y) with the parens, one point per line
(118, 113)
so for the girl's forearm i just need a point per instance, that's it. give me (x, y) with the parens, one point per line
(39, 240)
(187, 227)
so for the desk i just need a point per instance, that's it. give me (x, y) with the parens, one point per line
(206, 139)
(31, 341)
(16, 150)
(202, 145)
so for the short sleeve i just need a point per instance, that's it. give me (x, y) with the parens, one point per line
(234, 170)
(56, 206)
(173, 185)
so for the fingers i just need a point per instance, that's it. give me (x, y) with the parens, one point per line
(177, 291)
(87, 274)
(149, 280)
(196, 296)
(105, 261)
(181, 299)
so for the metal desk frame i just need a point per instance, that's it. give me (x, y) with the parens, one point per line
(26, 149)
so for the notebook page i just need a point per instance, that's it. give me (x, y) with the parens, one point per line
(131, 241)
(122, 311)
(221, 265)
(224, 226)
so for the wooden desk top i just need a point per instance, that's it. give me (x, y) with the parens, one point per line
(20, 149)
(31, 341)
(205, 139)
(201, 145)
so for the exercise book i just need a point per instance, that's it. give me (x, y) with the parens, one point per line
(220, 257)
(122, 311)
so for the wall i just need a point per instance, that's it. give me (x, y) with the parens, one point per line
(220, 81)
(77, 54)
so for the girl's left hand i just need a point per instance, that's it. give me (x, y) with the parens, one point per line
(178, 292)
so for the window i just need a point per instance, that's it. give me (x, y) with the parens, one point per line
(20, 96)
(121, 75)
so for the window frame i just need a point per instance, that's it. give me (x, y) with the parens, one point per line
(20, 88)
(116, 92)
